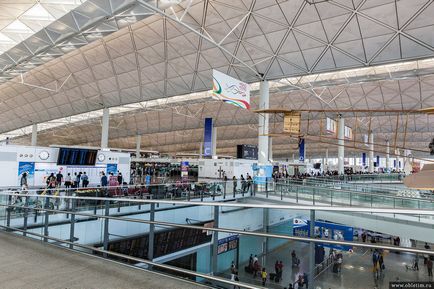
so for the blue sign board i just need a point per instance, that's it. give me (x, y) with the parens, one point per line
(112, 168)
(227, 244)
(262, 173)
(301, 150)
(364, 159)
(325, 230)
(29, 168)
(207, 138)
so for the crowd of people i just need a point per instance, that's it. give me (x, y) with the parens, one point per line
(257, 270)
(246, 183)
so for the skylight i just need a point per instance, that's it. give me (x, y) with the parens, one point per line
(25, 19)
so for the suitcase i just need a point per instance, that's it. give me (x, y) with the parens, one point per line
(273, 276)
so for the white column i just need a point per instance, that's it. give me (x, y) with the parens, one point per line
(34, 134)
(138, 144)
(387, 155)
(341, 143)
(214, 143)
(371, 152)
(263, 123)
(326, 165)
(201, 150)
(105, 128)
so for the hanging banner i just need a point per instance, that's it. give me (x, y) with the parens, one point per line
(207, 138)
(230, 90)
(366, 140)
(364, 159)
(29, 169)
(331, 125)
(348, 133)
(184, 169)
(377, 163)
(291, 123)
(301, 150)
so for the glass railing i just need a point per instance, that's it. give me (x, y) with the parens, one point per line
(222, 243)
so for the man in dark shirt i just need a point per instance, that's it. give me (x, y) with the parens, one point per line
(59, 178)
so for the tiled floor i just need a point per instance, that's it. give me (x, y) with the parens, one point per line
(356, 270)
(29, 264)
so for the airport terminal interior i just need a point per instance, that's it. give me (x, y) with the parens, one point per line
(217, 144)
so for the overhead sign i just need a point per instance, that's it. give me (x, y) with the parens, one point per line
(330, 125)
(301, 150)
(207, 138)
(324, 230)
(291, 122)
(230, 90)
(348, 132)
(227, 244)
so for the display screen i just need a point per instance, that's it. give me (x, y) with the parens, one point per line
(76, 157)
(248, 152)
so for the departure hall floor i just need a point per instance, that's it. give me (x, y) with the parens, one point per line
(356, 269)
(27, 263)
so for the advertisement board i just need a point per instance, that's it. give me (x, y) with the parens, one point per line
(324, 230)
(29, 168)
(112, 168)
(227, 244)
(262, 173)
(230, 90)
(291, 123)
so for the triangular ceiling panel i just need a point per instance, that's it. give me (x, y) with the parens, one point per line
(392, 51)
(326, 62)
(374, 44)
(412, 49)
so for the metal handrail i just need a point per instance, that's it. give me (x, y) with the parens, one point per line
(364, 193)
(244, 205)
(212, 229)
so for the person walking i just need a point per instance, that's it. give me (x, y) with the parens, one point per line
(59, 179)
(68, 181)
(305, 280)
(104, 180)
(426, 256)
(23, 181)
(429, 266)
(249, 183)
(120, 179)
(256, 268)
(264, 276)
(235, 183)
(280, 270)
(77, 180)
(233, 268)
(276, 270)
(243, 184)
(251, 261)
(84, 180)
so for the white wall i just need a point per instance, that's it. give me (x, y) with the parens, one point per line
(11, 156)
(209, 168)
